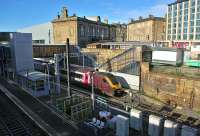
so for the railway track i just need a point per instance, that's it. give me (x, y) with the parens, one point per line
(58, 124)
(121, 104)
(112, 101)
(13, 122)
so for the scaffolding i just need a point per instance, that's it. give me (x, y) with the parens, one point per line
(77, 107)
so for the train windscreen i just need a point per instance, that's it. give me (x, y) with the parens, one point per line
(113, 79)
(77, 76)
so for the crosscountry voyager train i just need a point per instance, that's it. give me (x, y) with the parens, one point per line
(106, 83)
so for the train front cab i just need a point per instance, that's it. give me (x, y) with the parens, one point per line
(107, 84)
(114, 85)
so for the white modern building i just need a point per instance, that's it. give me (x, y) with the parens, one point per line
(183, 28)
(183, 23)
(41, 33)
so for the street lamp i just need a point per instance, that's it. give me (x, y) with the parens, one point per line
(48, 80)
(68, 68)
(92, 95)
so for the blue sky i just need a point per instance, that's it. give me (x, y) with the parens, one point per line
(15, 14)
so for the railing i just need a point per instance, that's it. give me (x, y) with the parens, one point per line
(121, 62)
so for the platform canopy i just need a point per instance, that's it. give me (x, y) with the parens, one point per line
(33, 75)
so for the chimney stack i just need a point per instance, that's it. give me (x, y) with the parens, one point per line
(64, 13)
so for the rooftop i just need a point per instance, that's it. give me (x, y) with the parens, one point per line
(147, 19)
(64, 17)
(33, 75)
(178, 1)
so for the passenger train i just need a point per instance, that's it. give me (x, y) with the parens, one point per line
(105, 83)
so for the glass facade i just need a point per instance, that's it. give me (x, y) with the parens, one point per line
(198, 20)
(184, 20)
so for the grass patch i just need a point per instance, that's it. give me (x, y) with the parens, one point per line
(198, 112)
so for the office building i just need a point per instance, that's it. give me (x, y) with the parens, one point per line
(183, 23)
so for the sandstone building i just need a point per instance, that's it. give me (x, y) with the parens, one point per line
(121, 32)
(151, 29)
(81, 30)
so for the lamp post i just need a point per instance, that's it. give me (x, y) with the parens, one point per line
(57, 72)
(83, 60)
(92, 95)
(68, 69)
(48, 80)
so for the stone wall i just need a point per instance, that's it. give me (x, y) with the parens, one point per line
(102, 55)
(45, 51)
(174, 90)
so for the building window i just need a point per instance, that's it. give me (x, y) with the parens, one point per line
(191, 23)
(38, 41)
(175, 13)
(180, 6)
(185, 18)
(198, 23)
(197, 36)
(186, 5)
(179, 37)
(186, 11)
(198, 15)
(40, 85)
(198, 29)
(174, 25)
(169, 8)
(179, 31)
(82, 31)
(185, 24)
(191, 36)
(148, 37)
(192, 17)
(185, 37)
(169, 20)
(174, 37)
(169, 37)
(179, 24)
(175, 7)
(180, 13)
(93, 31)
(198, 2)
(192, 3)
(198, 8)
(191, 29)
(185, 30)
